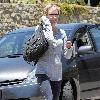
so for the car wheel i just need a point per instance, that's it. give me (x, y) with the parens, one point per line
(67, 91)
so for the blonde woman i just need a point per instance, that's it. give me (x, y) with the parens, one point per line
(49, 67)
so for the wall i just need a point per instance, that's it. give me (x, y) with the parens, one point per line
(20, 15)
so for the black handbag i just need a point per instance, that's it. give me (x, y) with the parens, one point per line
(36, 46)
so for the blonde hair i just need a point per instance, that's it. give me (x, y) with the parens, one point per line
(50, 5)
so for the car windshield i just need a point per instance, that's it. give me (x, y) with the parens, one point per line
(13, 43)
(68, 32)
(96, 35)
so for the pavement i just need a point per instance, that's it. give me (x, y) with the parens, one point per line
(92, 98)
(36, 98)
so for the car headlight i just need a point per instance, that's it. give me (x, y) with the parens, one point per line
(31, 77)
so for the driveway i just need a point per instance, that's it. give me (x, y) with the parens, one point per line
(92, 98)
(37, 98)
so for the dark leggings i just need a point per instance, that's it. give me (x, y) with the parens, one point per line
(49, 89)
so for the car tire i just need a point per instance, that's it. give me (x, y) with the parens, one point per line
(67, 91)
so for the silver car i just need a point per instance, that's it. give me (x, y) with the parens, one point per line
(17, 76)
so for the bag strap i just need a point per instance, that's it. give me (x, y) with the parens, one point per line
(41, 29)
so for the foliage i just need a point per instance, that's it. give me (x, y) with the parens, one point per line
(21, 15)
(65, 8)
(61, 1)
(29, 1)
(70, 8)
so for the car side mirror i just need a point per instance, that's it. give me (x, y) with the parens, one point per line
(84, 49)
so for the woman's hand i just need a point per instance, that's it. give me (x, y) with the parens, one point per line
(68, 44)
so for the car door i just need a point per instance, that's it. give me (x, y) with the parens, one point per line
(89, 64)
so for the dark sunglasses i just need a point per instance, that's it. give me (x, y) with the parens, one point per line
(53, 14)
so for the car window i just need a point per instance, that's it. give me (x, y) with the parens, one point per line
(7, 46)
(68, 32)
(26, 37)
(82, 37)
(95, 31)
(85, 38)
(13, 43)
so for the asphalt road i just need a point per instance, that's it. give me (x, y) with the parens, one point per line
(92, 98)
(37, 98)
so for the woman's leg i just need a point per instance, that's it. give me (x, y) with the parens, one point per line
(45, 86)
(56, 89)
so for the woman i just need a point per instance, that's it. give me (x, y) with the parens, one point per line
(49, 67)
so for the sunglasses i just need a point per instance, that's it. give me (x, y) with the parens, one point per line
(53, 14)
